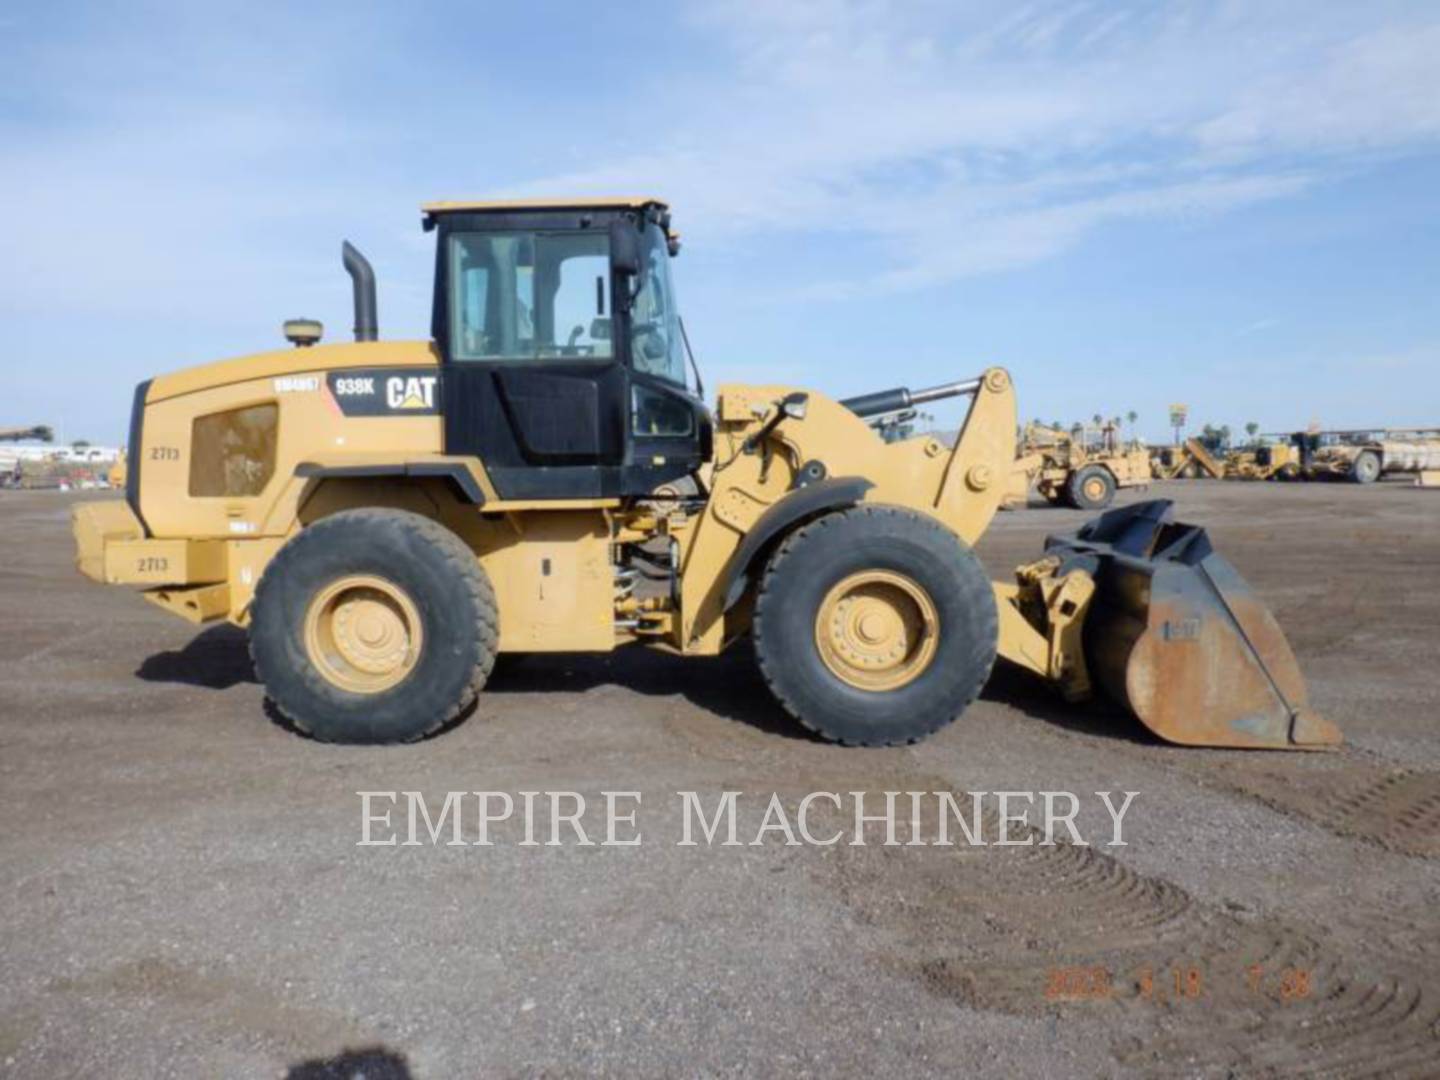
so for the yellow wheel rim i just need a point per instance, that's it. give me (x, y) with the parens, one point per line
(1094, 489)
(363, 634)
(877, 630)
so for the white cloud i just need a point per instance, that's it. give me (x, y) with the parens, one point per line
(206, 160)
(967, 139)
(1379, 90)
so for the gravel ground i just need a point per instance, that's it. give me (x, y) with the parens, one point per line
(184, 894)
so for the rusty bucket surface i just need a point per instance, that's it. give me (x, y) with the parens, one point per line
(1177, 636)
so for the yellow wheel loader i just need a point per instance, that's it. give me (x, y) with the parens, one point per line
(387, 517)
(1070, 470)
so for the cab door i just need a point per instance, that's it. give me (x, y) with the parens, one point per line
(564, 370)
(531, 382)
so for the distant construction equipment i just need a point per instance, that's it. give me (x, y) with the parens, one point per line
(38, 432)
(1364, 456)
(1263, 461)
(1361, 456)
(80, 464)
(1188, 461)
(1071, 469)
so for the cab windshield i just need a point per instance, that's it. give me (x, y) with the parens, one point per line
(530, 295)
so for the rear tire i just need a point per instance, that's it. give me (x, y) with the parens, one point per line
(1092, 488)
(870, 567)
(1366, 469)
(373, 626)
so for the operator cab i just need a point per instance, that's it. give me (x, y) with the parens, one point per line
(564, 365)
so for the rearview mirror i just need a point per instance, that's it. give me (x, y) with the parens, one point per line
(624, 247)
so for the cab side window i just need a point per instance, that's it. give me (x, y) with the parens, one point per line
(657, 415)
(529, 296)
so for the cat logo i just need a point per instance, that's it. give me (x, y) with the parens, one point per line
(411, 392)
(384, 392)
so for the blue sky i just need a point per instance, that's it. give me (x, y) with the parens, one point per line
(1233, 205)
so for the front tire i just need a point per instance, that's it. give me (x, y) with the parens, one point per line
(1366, 469)
(373, 626)
(1091, 488)
(875, 626)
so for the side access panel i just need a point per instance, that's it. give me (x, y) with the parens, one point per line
(554, 583)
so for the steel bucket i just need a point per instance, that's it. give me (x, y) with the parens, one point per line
(1178, 637)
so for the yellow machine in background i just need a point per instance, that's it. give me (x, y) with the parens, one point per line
(387, 517)
(118, 471)
(1263, 461)
(1076, 472)
(1191, 460)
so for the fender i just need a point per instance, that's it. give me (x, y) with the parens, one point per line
(804, 502)
(462, 478)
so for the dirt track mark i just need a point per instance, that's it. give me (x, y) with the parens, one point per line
(1354, 793)
(1393, 808)
(989, 928)
(1400, 813)
(1288, 1004)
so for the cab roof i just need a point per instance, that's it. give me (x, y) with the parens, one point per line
(628, 202)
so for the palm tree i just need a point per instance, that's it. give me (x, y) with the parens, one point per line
(1132, 416)
(1251, 428)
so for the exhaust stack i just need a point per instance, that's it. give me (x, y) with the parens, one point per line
(362, 276)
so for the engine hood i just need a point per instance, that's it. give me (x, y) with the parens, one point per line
(293, 361)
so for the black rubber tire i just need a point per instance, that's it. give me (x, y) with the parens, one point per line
(444, 580)
(1075, 488)
(1366, 469)
(803, 569)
